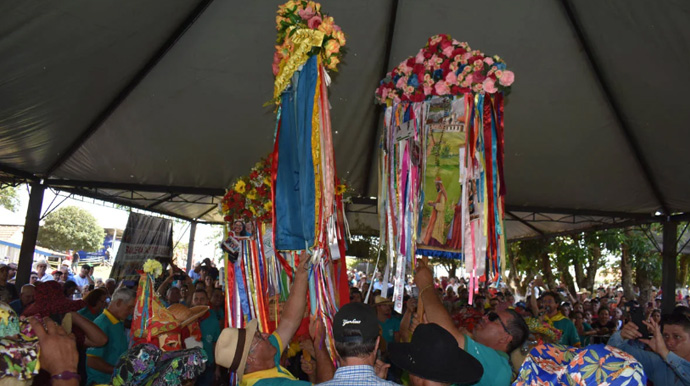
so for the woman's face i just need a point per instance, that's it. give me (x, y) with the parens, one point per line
(237, 227)
(656, 316)
(249, 227)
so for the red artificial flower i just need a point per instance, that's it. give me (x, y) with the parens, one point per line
(458, 51)
(253, 175)
(227, 218)
(247, 213)
(445, 66)
(410, 62)
(445, 43)
(428, 54)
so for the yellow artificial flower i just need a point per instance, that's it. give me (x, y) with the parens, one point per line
(251, 208)
(333, 62)
(290, 5)
(340, 189)
(240, 187)
(340, 36)
(326, 25)
(153, 267)
(332, 47)
(268, 206)
(314, 5)
(267, 181)
(252, 194)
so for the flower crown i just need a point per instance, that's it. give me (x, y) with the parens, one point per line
(444, 67)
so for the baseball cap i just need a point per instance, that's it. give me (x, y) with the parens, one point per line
(359, 320)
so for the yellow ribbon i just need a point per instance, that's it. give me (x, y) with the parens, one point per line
(316, 152)
(303, 39)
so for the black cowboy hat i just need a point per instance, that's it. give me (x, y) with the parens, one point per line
(434, 354)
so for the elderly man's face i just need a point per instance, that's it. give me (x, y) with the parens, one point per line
(27, 295)
(41, 268)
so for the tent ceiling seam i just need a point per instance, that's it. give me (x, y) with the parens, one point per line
(525, 223)
(150, 64)
(377, 116)
(614, 105)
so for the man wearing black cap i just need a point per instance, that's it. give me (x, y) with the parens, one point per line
(356, 335)
(495, 336)
(434, 359)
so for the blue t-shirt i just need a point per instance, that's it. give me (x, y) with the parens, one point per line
(210, 331)
(497, 370)
(85, 312)
(389, 328)
(111, 352)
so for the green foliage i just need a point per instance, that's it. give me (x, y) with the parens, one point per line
(9, 199)
(71, 228)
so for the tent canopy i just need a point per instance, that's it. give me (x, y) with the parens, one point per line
(158, 104)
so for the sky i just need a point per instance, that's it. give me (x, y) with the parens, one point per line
(110, 217)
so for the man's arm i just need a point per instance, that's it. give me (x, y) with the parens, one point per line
(95, 337)
(293, 311)
(433, 308)
(324, 366)
(98, 363)
(649, 360)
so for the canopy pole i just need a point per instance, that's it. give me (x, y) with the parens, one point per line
(33, 216)
(190, 248)
(668, 274)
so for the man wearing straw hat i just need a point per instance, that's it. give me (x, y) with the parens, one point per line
(255, 357)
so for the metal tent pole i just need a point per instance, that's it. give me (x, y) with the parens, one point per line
(33, 216)
(668, 274)
(190, 248)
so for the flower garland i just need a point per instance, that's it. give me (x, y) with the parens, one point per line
(444, 67)
(300, 14)
(250, 196)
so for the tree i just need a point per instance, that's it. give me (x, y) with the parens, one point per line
(9, 199)
(71, 228)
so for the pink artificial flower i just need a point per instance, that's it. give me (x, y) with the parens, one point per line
(314, 22)
(490, 85)
(468, 79)
(404, 68)
(419, 59)
(336, 28)
(384, 92)
(465, 57)
(478, 64)
(478, 77)
(307, 13)
(442, 88)
(276, 68)
(401, 83)
(451, 78)
(448, 51)
(488, 61)
(427, 90)
(507, 78)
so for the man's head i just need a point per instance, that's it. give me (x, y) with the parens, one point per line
(355, 295)
(97, 299)
(174, 295)
(199, 298)
(41, 267)
(604, 315)
(503, 330)
(12, 272)
(356, 332)
(217, 298)
(244, 350)
(550, 301)
(57, 275)
(122, 303)
(85, 270)
(675, 329)
(4, 272)
(33, 278)
(27, 294)
(384, 307)
(110, 285)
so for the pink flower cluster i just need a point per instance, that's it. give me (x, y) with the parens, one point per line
(444, 67)
(296, 14)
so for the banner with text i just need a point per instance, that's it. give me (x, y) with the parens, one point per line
(145, 237)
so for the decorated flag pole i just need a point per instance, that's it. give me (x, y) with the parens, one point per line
(441, 168)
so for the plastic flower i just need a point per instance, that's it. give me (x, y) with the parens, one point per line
(268, 206)
(326, 25)
(307, 13)
(507, 78)
(339, 36)
(153, 267)
(252, 194)
(332, 47)
(340, 189)
(240, 186)
(490, 86)
(314, 23)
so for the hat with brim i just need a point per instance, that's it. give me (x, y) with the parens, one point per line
(50, 300)
(428, 354)
(185, 315)
(381, 301)
(232, 348)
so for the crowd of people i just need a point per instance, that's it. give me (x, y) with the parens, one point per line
(478, 338)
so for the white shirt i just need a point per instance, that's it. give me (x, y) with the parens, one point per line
(81, 281)
(46, 277)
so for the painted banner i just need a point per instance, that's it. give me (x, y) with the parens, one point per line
(441, 223)
(145, 237)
